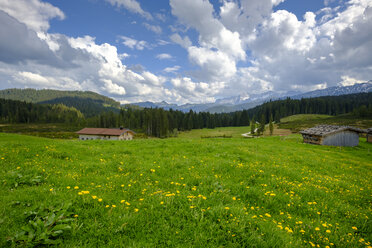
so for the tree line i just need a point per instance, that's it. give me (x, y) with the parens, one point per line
(158, 122)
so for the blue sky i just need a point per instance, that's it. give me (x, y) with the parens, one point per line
(184, 51)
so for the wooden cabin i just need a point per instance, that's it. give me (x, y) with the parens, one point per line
(105, 134)
(331, 135)
(369, 135)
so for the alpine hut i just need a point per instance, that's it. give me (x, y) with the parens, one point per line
(331, 135)
(105, 134)
(369, 135)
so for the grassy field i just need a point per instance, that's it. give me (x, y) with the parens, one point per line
(184, 192)
(47, 130)
(296, 123)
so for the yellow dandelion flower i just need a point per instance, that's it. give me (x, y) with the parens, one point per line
(68, 187)
(76, 215)
(328, 231)
(100, 199)
(76, 187)
(355, 228)
(127, 203)
(122, 201)
(192, 206)
(161, 202)
(302, 231)
(51, 189)
(114, 206)
(107, 206)
(227, 208)
(234, 198)
(317, 229)
(94, 196)
(267, 215)
(136, 210)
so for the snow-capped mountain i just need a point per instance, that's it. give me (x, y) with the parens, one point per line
(338, 90)
(247, 101)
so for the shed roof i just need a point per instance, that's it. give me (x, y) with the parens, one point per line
(104, 131)
(323, 130)
(369, 130)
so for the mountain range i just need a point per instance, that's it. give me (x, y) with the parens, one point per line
(247, 101)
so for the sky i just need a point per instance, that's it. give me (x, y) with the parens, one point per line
(184, 51)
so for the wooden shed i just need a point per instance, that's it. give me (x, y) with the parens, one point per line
(105, 134)
(331, 135)
(369, 135)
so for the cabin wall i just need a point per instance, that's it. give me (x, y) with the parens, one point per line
(369, 138)
(345, 138)
(97, 137)
(312, 139)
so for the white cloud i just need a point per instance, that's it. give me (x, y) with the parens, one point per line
(132, 6)
(161, 17)
(154, 28)
(164, 56)
(348, 81)
(196, 92)
(34, 14)
(241, 48)
(184, 42)
(172, 69)
(134, 44)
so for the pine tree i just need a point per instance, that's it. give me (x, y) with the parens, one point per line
(253, 126)
(271, 125)
(262, 124)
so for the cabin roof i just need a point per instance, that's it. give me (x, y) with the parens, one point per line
(104, 131)
(323, 130)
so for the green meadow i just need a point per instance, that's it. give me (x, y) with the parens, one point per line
(184, 192)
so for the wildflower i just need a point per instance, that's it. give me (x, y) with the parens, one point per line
(100, 199)
(302, 231)
(161, 202)
(76, 215)
(267, 215)
(18, 168)
(68, 187)
(136, 210)
(227, 208)
(114, 206)
(94, 196)
(355, 228)
(107, 206)
(234, 198)
(76, 187)
(127, 203)
(328, 231)
(192, 206)
(122, 201)
(51, 189)
(317, 229)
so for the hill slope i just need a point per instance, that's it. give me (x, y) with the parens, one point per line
(89, 103)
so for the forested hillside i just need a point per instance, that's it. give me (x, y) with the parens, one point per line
(37, 96)
(22, 112)
(89, 107)
(360, 104)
